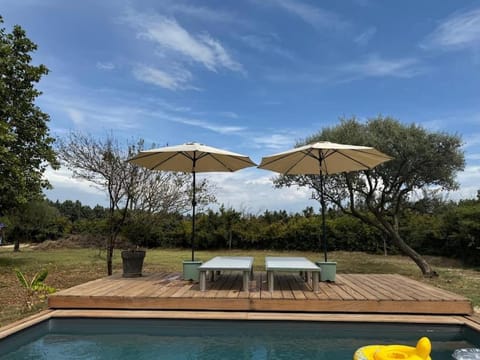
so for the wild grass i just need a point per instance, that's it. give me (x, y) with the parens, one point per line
(70, 267)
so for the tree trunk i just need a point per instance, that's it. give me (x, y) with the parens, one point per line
(391, 230)
(16, 245)
(424, 266)
(110, 246)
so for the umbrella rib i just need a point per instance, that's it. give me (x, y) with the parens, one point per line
(249, 162)
(305, 154)
(163, 161)
(214, 157)
(323, 157)
(221, 162)
(353, 159)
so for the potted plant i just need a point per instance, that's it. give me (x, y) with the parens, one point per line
(137, 231)
(133, 262)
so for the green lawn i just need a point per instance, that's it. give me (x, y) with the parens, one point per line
(69, 267)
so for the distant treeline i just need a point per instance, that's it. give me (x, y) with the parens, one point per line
(432, 227)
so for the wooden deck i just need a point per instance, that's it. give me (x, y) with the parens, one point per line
(351, 293)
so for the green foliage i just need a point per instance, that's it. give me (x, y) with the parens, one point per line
(353, 235)
(38, 221)
(36, 287)
(378, 197)
(462, 229)
(25, 143)
(424, 232)
(430, 226)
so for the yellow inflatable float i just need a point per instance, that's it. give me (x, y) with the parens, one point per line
(392, 352)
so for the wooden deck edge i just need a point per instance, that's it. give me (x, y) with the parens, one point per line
(262, 305)
(19, 325)
(475, 317)
(260, 316)
(473, 321)
(367, 306)
(148, 303)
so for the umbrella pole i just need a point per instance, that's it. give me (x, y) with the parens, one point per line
(194, 203)
(322, 202)
(324, 228)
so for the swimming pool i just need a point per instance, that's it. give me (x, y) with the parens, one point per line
(80, 338)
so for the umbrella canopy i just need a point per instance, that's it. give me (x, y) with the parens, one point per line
(323, 158)
(192, 158)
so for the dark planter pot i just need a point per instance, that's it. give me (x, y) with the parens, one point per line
(132, 263)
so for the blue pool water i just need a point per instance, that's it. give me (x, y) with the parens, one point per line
(200, 339)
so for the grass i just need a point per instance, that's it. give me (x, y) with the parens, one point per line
(70, 267)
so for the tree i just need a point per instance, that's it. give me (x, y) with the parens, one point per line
(25, 144)
(421, 159)
(128, 186)
(38, 221)
(230, 217)
(102, 162)
(169, 192)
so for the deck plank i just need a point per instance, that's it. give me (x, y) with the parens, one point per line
(348, 289)
(351, 293)
(441, 293)
(353, 282)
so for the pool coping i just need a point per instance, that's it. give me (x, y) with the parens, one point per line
(469, 321)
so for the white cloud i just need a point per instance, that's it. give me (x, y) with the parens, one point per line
(65, 187)
(77, 117)
(274, 141)
(473, 139)
(253, 192)
(229, 114)
(89, 112)
(317, 17)
(220, 55)
(171, 37)
(267, 44)
(475, 156)
(101, 109)
(202, 13)
(105, 65)
(247, 190)
(469, 180)
(221, 129)
(177, 79)
(460, 30)
(364, 38)
(370, 66)
(375, 66)
(261, 180)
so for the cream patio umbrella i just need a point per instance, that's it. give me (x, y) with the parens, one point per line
(323, 158)
(192, 158)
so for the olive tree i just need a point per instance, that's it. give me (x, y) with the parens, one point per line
(421, 159)
(103, 162)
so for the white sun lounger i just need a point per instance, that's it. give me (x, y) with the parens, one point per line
(227, 263)
(291, 264)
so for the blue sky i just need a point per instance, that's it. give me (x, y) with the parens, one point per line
(253, 76)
